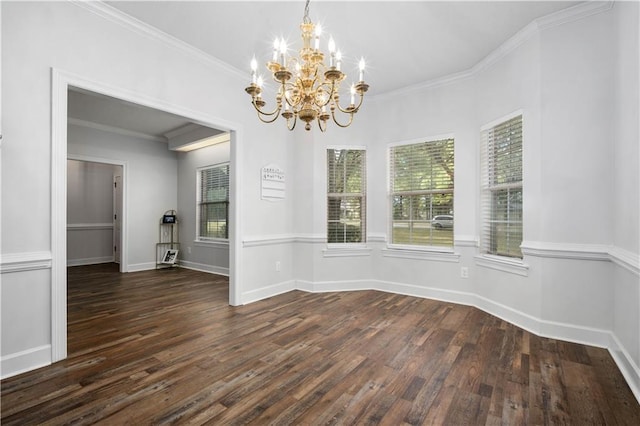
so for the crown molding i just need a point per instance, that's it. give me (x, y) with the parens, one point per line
(561, 17)
(129, 22)
(112, 129)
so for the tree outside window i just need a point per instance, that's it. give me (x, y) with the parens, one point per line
(213, 202)
(346, 196)
(421, 184)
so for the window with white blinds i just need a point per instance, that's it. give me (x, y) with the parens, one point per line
(346, 195)
(421, 189)
(501, 199)
(213, 202)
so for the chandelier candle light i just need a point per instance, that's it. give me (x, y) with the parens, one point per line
(306, 86)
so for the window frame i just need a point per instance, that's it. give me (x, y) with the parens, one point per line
(488, 188)
(416, 248)
(204, 239)
(348, 246)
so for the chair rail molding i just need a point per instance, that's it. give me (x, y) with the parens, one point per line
(20, 262)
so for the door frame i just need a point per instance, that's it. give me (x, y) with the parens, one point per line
(124, 264)
(61, 81)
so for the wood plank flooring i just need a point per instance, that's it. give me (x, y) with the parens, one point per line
(163, 347)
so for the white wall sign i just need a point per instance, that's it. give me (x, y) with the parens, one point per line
(273, 182)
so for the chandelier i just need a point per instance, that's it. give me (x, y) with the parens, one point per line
(307, 89)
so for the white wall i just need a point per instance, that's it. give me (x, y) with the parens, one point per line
(90, 212)
(150, 185)
(626, 190)
(91, 43)
(576, 83)
(205, 256)
(562, 74)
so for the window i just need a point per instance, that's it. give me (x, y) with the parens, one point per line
(421, 185)
(501, 201)
(346, 199)
(213, 202)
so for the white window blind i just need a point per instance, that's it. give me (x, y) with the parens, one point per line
(501, 201)
(213, 202)
(346, 196)
(421, 188)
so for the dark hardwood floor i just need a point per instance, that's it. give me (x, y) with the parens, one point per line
(162, 347)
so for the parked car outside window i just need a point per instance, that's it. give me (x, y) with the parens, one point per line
(442, 221)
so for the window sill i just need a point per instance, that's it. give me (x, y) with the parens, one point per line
(438, 254)
(503, 264)
(221, 243)
(346, 250)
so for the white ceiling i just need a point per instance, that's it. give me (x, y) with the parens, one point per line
(403, 42)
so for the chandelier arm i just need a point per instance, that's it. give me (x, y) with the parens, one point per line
(275, 113)
(322, 129)
(261, 112)
(295, 120)
(349, 109)
(333, 115)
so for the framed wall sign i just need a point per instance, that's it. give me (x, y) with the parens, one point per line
(273, 182)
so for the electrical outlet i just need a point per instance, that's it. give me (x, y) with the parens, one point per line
(464, 272)
(189, 249)
(278, 266)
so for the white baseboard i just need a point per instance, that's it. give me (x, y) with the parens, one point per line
(212, 269)
(21, 362)
(623, 360)
(137, 267)
(269, 291)
(90, 261)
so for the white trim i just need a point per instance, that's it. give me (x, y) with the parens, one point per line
(346, 250)
(268, 240)
(20, 262)
(116, 16)
(212, 269)
(346, 147)
(90, 227)
(504, 264)
(465, 241)
(59, 92)
(625, 259)
(579, 11)
(124, 233)
(573, 13)
(310, 239)
(138, 267)
(90, 261)
(629, 369)
(116, 130)
(565, 251)
(503, 119)
(268, 291)
(331, 286)
(23, 361)
(219, 243)
(60, 83)
(418, 254)
(415, 141)
(377, 238)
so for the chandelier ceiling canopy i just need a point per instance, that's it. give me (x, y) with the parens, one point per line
(307, 88)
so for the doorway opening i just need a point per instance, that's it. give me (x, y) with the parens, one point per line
(95, 212)
(62, 83)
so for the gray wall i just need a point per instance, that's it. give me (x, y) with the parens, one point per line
(211, 256)
(90, 212)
